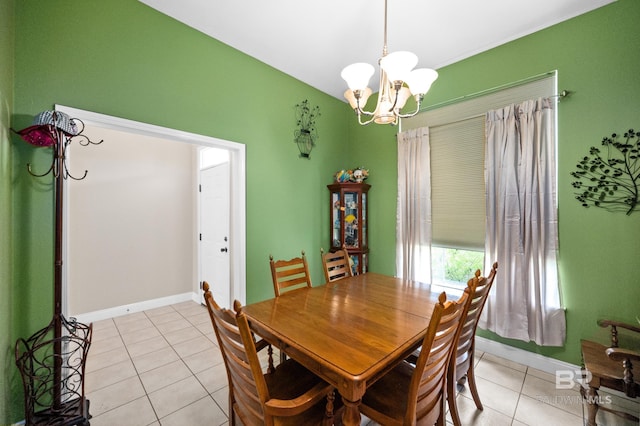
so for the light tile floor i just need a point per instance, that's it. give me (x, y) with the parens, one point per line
(163, 367)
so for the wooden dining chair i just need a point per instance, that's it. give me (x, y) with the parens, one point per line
(289, 274)
(336, 265)
(415, 394)
(462, 361)
(290, 395)
(611, 366)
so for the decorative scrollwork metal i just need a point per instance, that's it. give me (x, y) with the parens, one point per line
(39, 358)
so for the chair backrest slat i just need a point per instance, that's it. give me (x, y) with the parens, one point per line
(289, 274)
(427, 389)
(478, 288)
(336, 265)
(247, 388)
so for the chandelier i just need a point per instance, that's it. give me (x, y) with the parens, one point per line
(398, 81)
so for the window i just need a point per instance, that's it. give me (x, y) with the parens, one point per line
(457, 144)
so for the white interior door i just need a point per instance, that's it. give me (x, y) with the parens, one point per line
(214, 232)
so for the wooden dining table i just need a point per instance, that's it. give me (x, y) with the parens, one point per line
(349, 332)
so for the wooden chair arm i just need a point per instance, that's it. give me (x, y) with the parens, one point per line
(614, 329)
(291, 407)
(619, 354)
(611, 323)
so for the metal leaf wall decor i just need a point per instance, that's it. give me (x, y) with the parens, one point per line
(608, 177)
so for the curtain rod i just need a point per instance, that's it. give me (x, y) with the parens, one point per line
(493, 90)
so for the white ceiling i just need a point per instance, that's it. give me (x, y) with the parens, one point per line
(313, 40)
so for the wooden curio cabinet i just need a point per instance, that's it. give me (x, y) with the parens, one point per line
(349, 221)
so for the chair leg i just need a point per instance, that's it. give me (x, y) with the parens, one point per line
(270, 368)
(591, 396)
(443, 410)
(471, 378)
(328, 420)
(451, 400)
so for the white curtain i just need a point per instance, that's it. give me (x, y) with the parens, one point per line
(521, 234)
(413, 220)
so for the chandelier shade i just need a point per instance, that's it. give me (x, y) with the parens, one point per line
(398, 81)
(398, 65)
(358, 75)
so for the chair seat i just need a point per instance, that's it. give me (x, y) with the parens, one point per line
(289, 381)
(388, 397)
(600, 365)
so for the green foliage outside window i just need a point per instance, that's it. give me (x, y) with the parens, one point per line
(462, 264)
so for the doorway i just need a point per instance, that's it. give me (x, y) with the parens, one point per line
(237, 209)
(214, 215)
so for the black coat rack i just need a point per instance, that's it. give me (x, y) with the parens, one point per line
(52, 361)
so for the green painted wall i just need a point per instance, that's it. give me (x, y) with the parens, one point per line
(596, 58)
(7, 370)
(95, 56)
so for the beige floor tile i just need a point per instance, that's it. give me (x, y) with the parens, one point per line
(140, 335)
(201, 412)
(470, 415)
(166, 317)
(136, 413)
(177, 324)
(199, 318)
(109, 375)
(566, 399)
(155, 359)
(110, 397)
(129, 319)
(498, 373)
(221, 397)
(168, 374)
(214, 378)
(536, 413)
(103, 329)
(104, 325)
(541, 374)
(176, 396)
(133, 326)
(189, 308)
(182, 335)
(147, 346)
(492, 395)
(204, 327)
(203, 360)
(105, 359)
(151, 313)
(193, 346)
(105, 345)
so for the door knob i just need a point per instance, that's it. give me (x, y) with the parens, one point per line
(224, 250)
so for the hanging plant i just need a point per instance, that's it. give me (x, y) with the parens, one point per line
(608, 177)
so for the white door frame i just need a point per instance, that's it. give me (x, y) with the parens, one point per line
(238, 190)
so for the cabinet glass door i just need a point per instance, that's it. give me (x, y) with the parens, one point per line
(351, 237)
(335, 219)
(364, 220)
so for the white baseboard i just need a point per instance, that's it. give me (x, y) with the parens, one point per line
(530, 359)
(117, 311)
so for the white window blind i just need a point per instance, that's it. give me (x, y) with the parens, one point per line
(457, 184)
(457, 139)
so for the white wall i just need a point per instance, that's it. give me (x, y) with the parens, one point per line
(132, 221)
